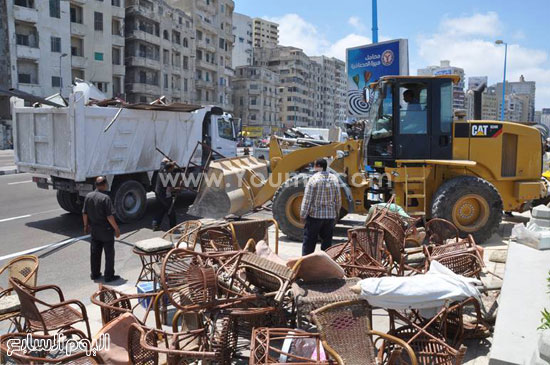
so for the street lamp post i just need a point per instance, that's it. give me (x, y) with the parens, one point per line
(504, 78)
(61, 77)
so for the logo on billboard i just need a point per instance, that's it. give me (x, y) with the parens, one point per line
(387, 57)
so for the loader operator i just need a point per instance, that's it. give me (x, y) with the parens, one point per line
(320, 208)
(163, 191)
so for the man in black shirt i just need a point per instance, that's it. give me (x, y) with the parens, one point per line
(98, 216)
(164, 190)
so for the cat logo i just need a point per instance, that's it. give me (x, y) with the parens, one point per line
(486, 130)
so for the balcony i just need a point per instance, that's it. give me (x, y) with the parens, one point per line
(229, 72)
(24, 14)
(79, 2)
(208, 27)
(143, 62)
(118, 12)
(142, 11)
(144, 36)
(210, 9)
(204, 84)
(254, 107)
(142, 89)
(78, 62)
(206, 65)
(118, 40)
(119, 70)
(176, 70)
(208, 47)
(28, 52)
(79, 29)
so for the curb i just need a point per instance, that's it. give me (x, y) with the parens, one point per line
(8, 172)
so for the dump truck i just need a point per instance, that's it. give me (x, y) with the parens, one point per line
(71, 145)
(436, 165)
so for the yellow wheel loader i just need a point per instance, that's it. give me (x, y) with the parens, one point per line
(467, 172)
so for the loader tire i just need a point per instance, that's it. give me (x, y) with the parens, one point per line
(286, 206)
(473, 204)
(70, 202)
(130, 201)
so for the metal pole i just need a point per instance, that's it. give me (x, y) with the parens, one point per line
(374, 21)
(60, 77)
(504, 82)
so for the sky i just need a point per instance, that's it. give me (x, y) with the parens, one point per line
(462, 31)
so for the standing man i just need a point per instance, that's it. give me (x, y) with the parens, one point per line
(98, 215)
(164, 188)
(320, 208)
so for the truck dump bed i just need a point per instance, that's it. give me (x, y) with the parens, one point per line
(70, 142)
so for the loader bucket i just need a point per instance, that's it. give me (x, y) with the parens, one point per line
(229, 187)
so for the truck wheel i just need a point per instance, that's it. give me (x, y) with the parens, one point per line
(287, 202)
(473, 204)
(129, 200)
(69, 201)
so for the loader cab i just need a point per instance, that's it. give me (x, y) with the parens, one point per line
(410, 118)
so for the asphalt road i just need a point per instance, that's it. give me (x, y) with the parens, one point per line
(31, 218)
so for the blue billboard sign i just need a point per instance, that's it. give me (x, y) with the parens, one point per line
(366, 64)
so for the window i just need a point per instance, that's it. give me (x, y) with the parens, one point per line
(76, 14)
(413, 117)
(98, 56)
(142, 77)
(102, 86)
(77, 47)
(225, 129)
(446, 107)
(55, 44)
(116, 27)
(24, 78)
(115, 3)
(22, 39)
(185, 62)
(117, 86)
(55, 9)
(222, 43)
(165, 35)
(165, 81)
(98, 21)
(185, 42)
(116, 56)
(176, 37)
(56, 81)
(25, 3)
(185, 86)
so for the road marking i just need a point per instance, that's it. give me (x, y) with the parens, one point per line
(28, 215)
(14, 218)
(50, 245)
(20, 182)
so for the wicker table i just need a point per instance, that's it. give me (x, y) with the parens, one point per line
(148, 260)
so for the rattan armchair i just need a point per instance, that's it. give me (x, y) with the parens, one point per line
(215, 343)
(188, 233)
(114, 303)
(24, 268)
(217, 238)
(439, 230)
(58, 316)
(347, 335)
(462, 257)
(256, 229)
(355, 256)
(21, 355)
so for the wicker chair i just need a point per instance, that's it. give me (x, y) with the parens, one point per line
(24, 356)
(347, 335)
(58, 316)
(113, 303)
(24, 268)
(217, 239)
(355, 257)
(440, 230)
(281, 346)
(188, 232)
(462, 257)
(214, 344)
(256, 229)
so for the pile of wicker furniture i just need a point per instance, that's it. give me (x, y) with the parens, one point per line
(230, 296)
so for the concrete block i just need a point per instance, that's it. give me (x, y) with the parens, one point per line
(498, 256)
(544, 346)
(541, 222)
(541, 211)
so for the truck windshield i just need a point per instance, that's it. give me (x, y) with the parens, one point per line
(225, 129)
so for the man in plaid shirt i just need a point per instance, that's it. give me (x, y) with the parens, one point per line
(320, 208)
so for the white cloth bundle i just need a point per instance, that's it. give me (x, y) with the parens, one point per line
(428, 291)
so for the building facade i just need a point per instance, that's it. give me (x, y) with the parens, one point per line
(242, 49)
(545, 117)
(519, 88)
(256, 99)
(265, 33)
(213, 33)
(445, 68)
(159, 49)
(330, 95)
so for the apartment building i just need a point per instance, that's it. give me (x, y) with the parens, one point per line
(255, 98)
(330, 96)
(445, 68)
(97, 44)
(159, 55)
(514, 93)
(213, 27)
(265, 33)
(53, 41)
(242, 49)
